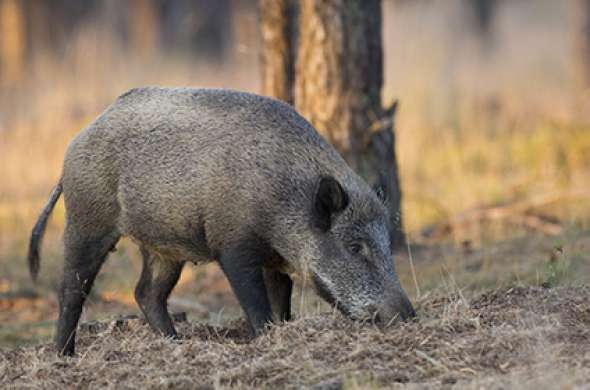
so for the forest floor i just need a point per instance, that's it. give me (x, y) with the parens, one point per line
(525, 337)
(504, 314)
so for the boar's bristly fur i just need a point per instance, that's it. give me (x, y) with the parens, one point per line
(194, 175)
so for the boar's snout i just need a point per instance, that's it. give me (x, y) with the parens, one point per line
(396, 306)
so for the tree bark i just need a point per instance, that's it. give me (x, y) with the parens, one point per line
(277, 54)
(339, 77)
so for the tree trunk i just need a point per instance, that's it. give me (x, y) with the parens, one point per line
(339, 76)
(483, 13)
(583, 45)
(144, 27)
(12, 41)
(277, 54)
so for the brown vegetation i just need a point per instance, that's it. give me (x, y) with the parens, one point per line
(510, 337)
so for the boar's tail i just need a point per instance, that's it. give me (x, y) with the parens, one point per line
(39, 230)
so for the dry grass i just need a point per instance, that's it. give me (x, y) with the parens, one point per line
(501, 338)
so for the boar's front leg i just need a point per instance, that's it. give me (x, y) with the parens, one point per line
(242, 265)
(279, 287)
(158, 278)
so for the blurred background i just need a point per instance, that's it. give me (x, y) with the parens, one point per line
(492, 136)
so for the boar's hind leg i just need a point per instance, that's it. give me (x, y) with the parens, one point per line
(158, 278)
(84, 255)
(279, 287)
(243, 267)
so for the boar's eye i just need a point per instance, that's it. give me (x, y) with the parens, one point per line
(355, 248)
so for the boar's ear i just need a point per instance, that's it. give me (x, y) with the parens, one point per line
(329, 199)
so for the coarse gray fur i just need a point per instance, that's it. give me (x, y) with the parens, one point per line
(200, 174)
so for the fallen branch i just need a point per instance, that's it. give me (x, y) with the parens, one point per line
(519, 213)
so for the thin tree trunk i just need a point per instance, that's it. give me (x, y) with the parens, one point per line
(144, 27)
(339, 76)
(483, 13)
(12, 41)
(583, 45)
(277, 54)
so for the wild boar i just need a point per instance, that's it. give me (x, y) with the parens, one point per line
(192, 175)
